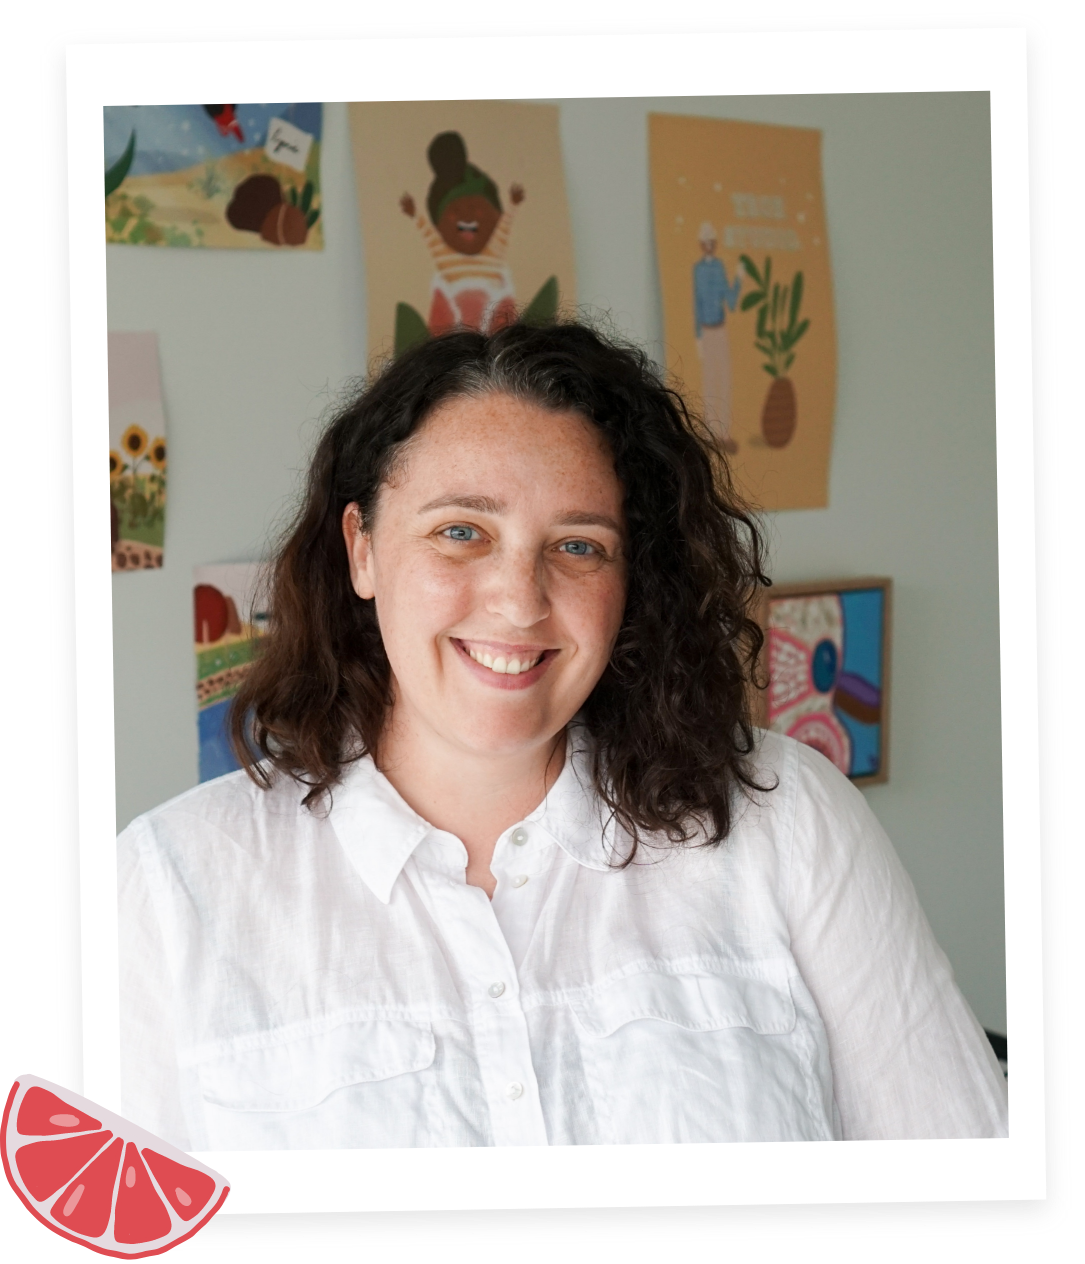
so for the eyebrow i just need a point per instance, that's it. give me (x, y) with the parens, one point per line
(480, 504)
(488, 505)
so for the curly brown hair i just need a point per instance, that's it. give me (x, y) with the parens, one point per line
(670, 718)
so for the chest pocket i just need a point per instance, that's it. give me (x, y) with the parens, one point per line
(699, 1057)
(694, 1002)
(299, 1074)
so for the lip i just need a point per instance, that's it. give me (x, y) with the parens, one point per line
(496, 681)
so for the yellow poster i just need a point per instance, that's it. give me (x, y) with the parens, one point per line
(747, 296)
(463, 216)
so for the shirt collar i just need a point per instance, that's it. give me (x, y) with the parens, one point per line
(379, 831)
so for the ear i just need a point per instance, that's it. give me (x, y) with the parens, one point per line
(359, 552)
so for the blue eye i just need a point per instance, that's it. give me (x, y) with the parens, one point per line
(578, 548)
(460, 533)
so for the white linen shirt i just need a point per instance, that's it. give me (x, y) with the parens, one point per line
(321, 979)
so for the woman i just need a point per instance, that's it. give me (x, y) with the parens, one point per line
(507, 863)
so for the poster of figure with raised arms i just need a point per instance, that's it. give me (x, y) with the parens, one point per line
(463, 217)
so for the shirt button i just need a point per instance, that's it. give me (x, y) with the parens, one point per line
(496, 989)
(514, 1090)
(519, 880)
(519, 837)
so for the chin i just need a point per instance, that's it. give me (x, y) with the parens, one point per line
(504, 735)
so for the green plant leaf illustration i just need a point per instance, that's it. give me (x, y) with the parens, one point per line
(114, 175)
(312, 217)
(410, 328)
(543, 307)
(770, 370)
(800, 329)
(796, 299)
(751, 268)
(307, 196)
(751, 300)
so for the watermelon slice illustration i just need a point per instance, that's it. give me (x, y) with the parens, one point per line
(99, 1180)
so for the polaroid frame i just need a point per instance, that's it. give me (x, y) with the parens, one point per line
(534, 67)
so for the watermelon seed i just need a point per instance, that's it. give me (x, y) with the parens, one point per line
(64, 1121)
(130, 1177)
(70, 1205)
(182, 1197)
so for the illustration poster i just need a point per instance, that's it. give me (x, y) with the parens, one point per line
(827, 653)
(463, 216)
(229, 621)
(747, 296)
(137, 452)
(240, 176)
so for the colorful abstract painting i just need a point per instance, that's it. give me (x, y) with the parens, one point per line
(137, 452)
(238, 176)
(826, 650)
(228, 624)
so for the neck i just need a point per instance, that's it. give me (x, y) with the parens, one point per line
(474, 795)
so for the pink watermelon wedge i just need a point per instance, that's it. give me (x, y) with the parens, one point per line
(97, 1179)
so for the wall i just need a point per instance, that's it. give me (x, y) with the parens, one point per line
(256, 348)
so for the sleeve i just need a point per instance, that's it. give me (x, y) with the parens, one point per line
(430, 236)
(909, 1059)
(697, 286)
(150, 1083)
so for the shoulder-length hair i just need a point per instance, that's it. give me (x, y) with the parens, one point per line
(670, 717)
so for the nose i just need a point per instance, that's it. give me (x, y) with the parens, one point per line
(517, 589)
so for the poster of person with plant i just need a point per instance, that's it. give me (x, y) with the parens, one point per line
(239, 176)
(137, 452)
(463, 216)
(744, 266)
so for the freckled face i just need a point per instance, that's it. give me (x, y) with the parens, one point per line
(497, 566)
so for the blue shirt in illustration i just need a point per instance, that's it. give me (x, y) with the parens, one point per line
(712, 296)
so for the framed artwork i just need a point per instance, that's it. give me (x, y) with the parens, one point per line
(229, 620)
(137, 452)
(241, 177)
(743, 248)
(463, 216)
(826, 658)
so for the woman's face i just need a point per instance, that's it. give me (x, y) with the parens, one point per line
(497, 566)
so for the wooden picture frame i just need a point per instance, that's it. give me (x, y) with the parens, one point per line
(829, 686)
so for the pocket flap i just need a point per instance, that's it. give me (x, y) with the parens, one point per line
(697, 1002)
(300, 1073)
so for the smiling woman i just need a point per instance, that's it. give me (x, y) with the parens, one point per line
(508, 863)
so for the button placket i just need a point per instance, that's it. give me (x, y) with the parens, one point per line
(474, 937)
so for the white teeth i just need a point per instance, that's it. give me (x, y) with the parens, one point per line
(503, 666)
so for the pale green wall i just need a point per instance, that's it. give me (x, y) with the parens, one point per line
(254, 346)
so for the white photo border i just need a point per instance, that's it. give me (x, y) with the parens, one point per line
(550, 67)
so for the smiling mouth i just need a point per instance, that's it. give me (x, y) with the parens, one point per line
(512, 664)
(467, 226)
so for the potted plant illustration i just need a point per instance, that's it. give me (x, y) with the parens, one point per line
(259, 206)
(776, 340)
